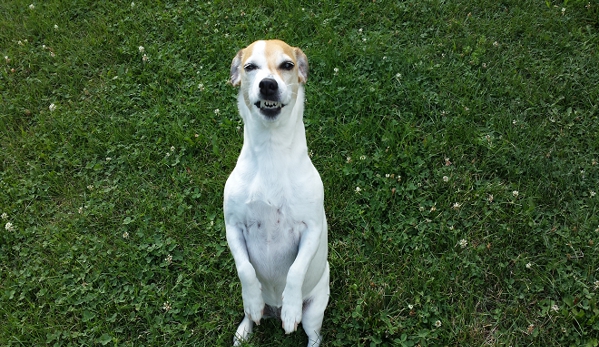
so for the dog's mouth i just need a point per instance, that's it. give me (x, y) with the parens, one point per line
(269, 108)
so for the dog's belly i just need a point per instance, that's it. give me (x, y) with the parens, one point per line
(272, 240)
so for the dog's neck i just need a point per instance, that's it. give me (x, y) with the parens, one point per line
(282, 139)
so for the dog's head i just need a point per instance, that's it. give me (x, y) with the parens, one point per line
(269, 73)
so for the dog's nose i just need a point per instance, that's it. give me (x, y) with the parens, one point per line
(268, 87)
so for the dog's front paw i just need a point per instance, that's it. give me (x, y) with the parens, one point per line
(253, 303)
(291, 312)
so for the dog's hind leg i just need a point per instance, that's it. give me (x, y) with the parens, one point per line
(243, 331)
(313, 311)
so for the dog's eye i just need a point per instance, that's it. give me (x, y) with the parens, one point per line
(287, 65)
(250, 67)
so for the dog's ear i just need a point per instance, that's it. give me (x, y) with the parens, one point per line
(235, 69)
(302, 65)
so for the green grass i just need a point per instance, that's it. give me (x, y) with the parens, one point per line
(470, 127)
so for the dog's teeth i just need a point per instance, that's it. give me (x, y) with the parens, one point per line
(269, 104)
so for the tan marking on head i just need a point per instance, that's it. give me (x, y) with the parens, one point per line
(273, 50)
(247, 52)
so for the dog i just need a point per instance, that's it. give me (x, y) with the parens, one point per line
(274, 198)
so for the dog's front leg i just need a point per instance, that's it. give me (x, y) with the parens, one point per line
(251, 289)
(291, 312)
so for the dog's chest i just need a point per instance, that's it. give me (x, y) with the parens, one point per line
(272, 238)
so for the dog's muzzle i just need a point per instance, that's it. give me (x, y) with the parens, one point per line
(269, 105)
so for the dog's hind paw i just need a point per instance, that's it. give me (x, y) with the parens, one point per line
(243, 331)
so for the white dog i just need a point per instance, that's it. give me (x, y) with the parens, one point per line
(273, 201)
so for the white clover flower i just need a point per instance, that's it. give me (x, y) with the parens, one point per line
(515, 193)
(335, 71)
(528, 265)
(362, 157)
(55, 27)
(132, 4)
(201, 87)
(145, 58)
(495, 44)
(166, 306)
(4, 215)
(592, 193)
(358, 189)
(32, 7)
(168, 259)
(217, 111)
(596, 285)
(172, 148)
(9, 226)
(410, 306)
(555, 308)
(125, 235)
(141, 49)
(348, 160)
(463, 243)
(52, 107)
(438, 324)
(456, 205)
(7, 59)
(445, 179)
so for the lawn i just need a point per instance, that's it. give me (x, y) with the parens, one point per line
(458, 143)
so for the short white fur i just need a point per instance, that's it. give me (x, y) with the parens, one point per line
(274, 199)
